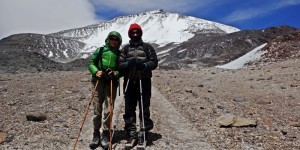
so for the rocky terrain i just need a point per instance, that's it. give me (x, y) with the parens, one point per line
(192, 109)
(268, 94)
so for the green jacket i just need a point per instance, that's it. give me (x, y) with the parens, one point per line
(109, 57)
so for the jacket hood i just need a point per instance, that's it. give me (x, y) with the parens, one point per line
(113, 33)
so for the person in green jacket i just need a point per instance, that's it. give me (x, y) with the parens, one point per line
(103, 67)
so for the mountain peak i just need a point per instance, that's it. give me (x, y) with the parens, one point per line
(159, 26)
(147, 13)
(156, 11)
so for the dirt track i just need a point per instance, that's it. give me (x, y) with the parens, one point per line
(185, 105)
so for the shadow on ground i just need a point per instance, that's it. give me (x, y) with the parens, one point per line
(120, 135)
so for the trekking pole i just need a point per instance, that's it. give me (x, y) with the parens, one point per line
(126, 85)
(119, 87)
(142, 110)
(110, 115)
(127, 82)
(86, 112)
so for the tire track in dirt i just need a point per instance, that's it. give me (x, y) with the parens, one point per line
(175, 130)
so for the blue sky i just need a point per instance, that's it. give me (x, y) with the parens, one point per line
(47, 16)
(251, 14)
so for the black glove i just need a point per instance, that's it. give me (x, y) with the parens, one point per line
(131, 63)
(140, 66)
(108, 74)
(112, 75)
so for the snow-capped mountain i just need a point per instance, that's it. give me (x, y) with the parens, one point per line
(158, 26)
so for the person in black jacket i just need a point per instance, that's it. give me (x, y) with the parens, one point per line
(136, 62)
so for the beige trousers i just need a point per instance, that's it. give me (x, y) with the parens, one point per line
(101, 103)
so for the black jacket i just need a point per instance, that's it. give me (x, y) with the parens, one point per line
(142, 52)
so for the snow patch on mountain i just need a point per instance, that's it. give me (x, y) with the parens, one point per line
(50, 54)
(251, 56)
(164, 52)
(180, 51)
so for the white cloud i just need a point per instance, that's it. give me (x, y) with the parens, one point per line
(44, 16)
(245, 14)
(264, 9)
(134, 6)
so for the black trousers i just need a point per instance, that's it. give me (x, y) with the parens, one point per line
(132, 98)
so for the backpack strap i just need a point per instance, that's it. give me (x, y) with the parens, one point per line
(145, 48)
(99, 57)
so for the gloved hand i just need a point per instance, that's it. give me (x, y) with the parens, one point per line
(131, 63)
(109, 74)
(140, 66)
(112, 75)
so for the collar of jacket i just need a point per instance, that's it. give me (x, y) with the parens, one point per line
(136, 43)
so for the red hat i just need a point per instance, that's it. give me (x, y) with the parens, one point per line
(135, 26)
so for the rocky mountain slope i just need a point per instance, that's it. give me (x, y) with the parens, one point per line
(215, 49)
(29, 52)
(59, 49)
(282, 47)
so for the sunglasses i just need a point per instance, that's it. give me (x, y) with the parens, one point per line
(114, 39)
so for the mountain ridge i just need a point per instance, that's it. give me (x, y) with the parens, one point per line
(188, 45)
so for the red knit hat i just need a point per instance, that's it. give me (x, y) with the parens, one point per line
(135, 26)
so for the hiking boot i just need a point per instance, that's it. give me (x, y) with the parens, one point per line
(96, 141)
(130, 142)
(141, 137)
(104, 140)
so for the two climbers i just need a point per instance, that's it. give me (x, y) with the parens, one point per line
(135, 61)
